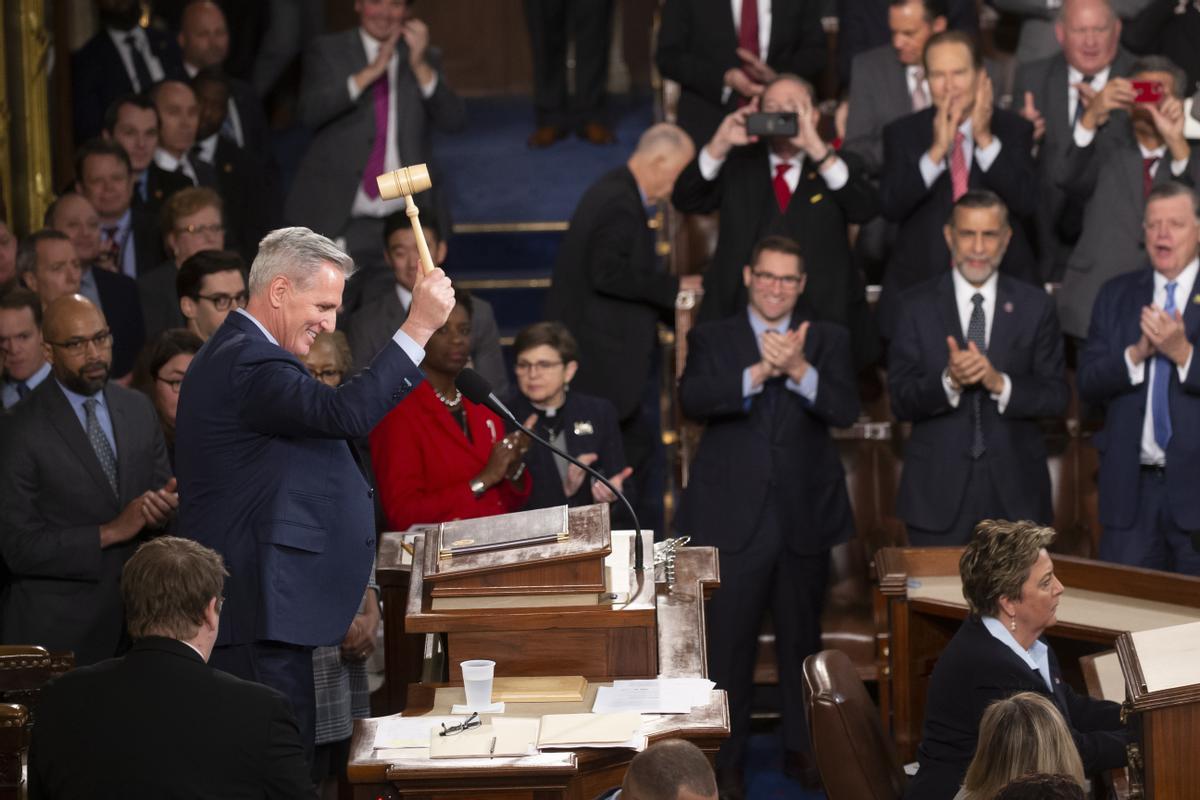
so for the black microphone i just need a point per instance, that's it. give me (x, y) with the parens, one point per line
(476, 389)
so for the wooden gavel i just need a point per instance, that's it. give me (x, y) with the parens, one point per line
(405, 182)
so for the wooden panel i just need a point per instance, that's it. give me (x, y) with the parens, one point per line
(485, 46)
(1169, 738)
(595, 653)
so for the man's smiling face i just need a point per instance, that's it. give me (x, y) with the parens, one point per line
(309, 310)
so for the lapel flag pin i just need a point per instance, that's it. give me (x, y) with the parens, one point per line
(583, 428)
(816, 198)
(1196, 299)
(1008, 307)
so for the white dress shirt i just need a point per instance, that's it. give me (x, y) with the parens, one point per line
(142, 43)
(405, 296)
(835, 172)
(910, 77)
(170, 163)
(1075, 77)
(1151, 453)
(1084, 137)
(984, 157)
(963, 292)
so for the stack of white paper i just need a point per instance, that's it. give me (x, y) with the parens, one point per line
(658, 696)
(398, 732)
(591, 730)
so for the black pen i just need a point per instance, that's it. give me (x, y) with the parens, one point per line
(492, 749)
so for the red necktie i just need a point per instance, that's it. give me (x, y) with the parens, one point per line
(375, 160)
(1148, 174)
(958, 167)
(748, 27)
(783, 193)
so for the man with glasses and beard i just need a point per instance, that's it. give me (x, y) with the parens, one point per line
(84, 478)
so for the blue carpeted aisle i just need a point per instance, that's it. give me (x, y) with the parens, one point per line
(764, 772)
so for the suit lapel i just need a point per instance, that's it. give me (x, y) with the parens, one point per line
(1058, 104)
(1003, 325)
(1131, 165)
(117, 413)
(1191, 312)
(948, 309)
(62, 417)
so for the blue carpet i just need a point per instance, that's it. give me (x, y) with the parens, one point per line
(764, 772)
(491, 175)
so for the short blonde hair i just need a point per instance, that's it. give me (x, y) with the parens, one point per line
(998, 560)
(1020, 735)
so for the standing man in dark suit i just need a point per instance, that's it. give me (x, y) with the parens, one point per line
(83, 474)
(799, 187)
(121, 58)
(372, 96)
(767, 487)
(132, 122)
(265, 466)
(608, 287)
(1052, 94)
(724, 53)
(933, 157)
(865, 25)
(975, 362)
(1138, 363)
(179, 122)
(104, 175)
(160, 718)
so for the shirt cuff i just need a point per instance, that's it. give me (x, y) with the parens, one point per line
(930, 171)
(1005, 394)
(807, 386)
(836, 173)
(1083, 137)
(726, 93)
(353, 87)
(428, 89)
(1137, 372)
(986, 156)
(748, 389)
(1178, 167)
(952, 395)
(1183, 370)
(709, 167)
(414, 351)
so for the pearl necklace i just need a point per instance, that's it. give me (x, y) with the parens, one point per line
(449, 403)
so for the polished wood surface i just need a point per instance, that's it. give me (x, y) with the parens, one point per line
(403, 650)
(15, 724)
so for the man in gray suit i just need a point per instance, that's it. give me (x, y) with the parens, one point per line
(83, 475)
(373, 325)
(371, 95)
(1052, 93)
(1039, 35)
(1119, 152)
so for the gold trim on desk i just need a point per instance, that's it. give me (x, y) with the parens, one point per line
(509, 227)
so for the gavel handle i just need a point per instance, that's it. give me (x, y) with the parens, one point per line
(413, 213)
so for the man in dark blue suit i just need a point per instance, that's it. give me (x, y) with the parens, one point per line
(265, 465)
(1137, 363)
(975, 361)
(767, 487)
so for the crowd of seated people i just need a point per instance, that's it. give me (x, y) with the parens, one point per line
(1035, 230)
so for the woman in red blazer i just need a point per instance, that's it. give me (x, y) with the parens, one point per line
(440, 457)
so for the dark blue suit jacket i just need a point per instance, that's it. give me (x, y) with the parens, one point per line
(123, 310)
(267, 478)
(786, 444)
(1026, 344)
(1104, 378)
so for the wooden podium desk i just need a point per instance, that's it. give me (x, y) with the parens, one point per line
(919, 607)
(561, 775)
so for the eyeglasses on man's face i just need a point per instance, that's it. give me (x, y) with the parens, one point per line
(771, 279)
(537, 366)
(203, 230)
(223, 302)
(326, 374)
(77, 345)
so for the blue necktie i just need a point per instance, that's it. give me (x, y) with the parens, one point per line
(1160, 407)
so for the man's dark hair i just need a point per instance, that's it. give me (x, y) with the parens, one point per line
(113, 112)
(953, 37)
(398, 220)
(167, 585)
(979, 198)
(100, 147)
(1165, 191)
(1042, 787)
(19, 297)
(27, 248)
(933, 8)
(192, 272)
(552, 334)
(777, 244)
(1164, 64)
(661, 770)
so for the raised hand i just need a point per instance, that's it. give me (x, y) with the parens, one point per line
(1166, 333)
(945, 125)
(731, 132)
(575, 474)
(602, 494)
(1118, 93)
(432, 302)
(755, 67)
(1029, 111)
(981, 112)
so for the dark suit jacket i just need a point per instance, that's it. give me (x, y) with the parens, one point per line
(267, 479)
(147, 239)
(98, 77)
(977, 669)
(1057, 223)
(1169, 28)
(920, 250)
(54, 497)
(1026, 344)
(863, 25)
(256, 133)
(747, 449)
(608, 290)
(1104, 379)
(590, 425)
(162, 723)
(160, 301)
(248, 194)
(698, 42)
(160, 185)
(123, 311)
(816, 218)
(343, 130)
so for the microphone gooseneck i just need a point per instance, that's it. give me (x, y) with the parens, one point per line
(476, 389)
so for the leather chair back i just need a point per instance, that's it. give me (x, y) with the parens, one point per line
(856, 757)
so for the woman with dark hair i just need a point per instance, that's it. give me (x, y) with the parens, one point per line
(441, 457)
(160, 375)
(1009, 583)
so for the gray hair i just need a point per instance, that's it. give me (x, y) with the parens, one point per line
(297, 254)
(1165, 191)
(663, 136)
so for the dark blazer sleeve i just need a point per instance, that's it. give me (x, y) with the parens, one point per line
(901, 187)
(610, 257)
(1141, 34)
(284, 765)
(805, 51)
(692, 193)
(677, 59)
(1102, 371)
(1013, 175)
(1041, 392)
(324, 93)
(827, 348)
(917, 391)
(445, 108)
(859, 198)
(710, 388)
(1078, 172)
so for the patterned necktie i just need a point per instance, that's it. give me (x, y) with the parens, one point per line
(920, 97)
(977, 333)
(375, 161)
(1079, 100)
(1160, 406)
(783, 192)
(23, 390)
(99, 442)
(1148, 174)
(958, 166)
(140, 68)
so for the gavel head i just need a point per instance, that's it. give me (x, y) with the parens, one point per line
(404, 182)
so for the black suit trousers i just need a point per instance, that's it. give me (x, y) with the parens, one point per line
(979, 502)
(551, 24)
(286, 668)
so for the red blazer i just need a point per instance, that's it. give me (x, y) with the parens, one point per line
(424, 464)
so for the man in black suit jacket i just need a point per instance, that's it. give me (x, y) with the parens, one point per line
(121, 58)
(104, 175)
(83, 474)
(703, 48)
(798, 187)
(767, 486)
(607, 286)
(179, 122)
(974, 385)
(160, 722)
(932, 157)
(132, 122)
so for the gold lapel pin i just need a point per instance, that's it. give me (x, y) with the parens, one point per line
(816, 198)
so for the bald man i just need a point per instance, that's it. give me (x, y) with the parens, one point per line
(674, 769)
(84, 478)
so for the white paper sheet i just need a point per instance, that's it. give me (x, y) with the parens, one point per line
(659, 696)
(409, 732)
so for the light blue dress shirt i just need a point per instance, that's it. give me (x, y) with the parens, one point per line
(102, 415)
(1037, 657)
(806, 388)
(8, 393)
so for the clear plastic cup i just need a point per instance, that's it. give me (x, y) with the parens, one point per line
(477, 682)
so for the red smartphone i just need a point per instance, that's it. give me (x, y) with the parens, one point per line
(1147, 91)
